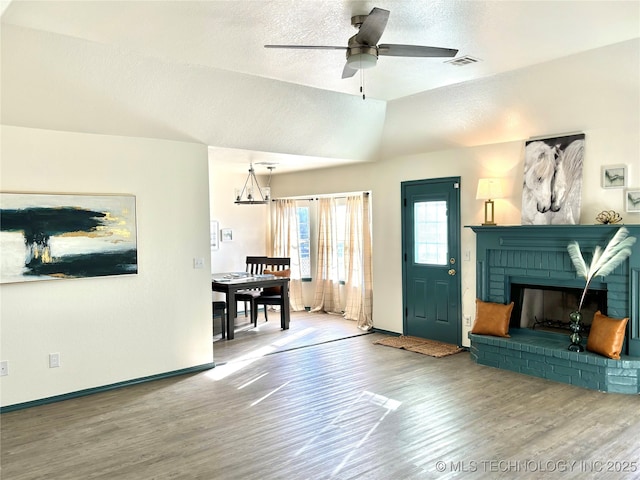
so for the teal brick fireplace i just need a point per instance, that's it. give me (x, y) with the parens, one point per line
(536, 255)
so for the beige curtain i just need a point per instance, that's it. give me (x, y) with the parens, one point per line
(327, 294)
(285, 244)
(358, 263)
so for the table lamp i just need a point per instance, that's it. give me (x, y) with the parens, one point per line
(489, 189)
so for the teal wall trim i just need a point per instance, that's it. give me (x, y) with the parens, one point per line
(105, 388)
(386, 332)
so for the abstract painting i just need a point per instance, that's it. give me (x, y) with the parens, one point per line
(55, 236)
(552, 186)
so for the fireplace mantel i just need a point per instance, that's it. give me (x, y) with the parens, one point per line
(537, 255)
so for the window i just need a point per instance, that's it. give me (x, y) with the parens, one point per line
(430, 232)
(304, 242)
(341, 224)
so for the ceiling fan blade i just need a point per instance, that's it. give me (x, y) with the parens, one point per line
(372, 27)
(307, 47)
(348, 71)
(415, 51)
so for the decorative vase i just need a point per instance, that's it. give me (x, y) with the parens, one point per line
(576, 326)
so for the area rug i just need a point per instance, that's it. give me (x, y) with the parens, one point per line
(420, 345)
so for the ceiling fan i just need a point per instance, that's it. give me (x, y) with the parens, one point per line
(362, 49)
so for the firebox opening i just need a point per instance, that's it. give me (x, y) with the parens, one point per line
(547, 308)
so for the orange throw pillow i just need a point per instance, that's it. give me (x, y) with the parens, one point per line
(607, 335)
(277, 273)
(492, 319)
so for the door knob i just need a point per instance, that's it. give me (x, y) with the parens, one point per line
(452, 271)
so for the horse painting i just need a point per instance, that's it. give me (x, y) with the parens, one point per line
(552, 186)
(567, 185)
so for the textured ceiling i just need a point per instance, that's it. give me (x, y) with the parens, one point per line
(230, 35)
(208, 45)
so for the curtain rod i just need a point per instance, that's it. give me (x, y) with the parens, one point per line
(311, 199)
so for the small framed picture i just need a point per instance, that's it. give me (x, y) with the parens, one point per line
(614, 176)
(226, 235)
(215, 244)
(633, 200)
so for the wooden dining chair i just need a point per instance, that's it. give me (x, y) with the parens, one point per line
(254, 266)
(219, 309)
(280, 266)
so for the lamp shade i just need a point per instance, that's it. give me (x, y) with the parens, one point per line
(489, 188)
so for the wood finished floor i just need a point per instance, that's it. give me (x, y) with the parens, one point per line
(340, 409)
(305, 329)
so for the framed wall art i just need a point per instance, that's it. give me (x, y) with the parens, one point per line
(56, 236)
(614, 176)
(226, 235)
(214, 229)
(633, 200)
(552, 184)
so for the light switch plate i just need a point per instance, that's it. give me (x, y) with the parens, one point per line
(54, 360)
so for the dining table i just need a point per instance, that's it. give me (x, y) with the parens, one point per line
(233, 282)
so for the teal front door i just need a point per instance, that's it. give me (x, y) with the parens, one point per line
(431, 252)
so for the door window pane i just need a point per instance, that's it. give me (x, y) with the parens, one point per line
(430, 232)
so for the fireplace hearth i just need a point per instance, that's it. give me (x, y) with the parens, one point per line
(530, 266)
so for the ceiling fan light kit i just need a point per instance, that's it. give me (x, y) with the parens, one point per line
(360, 58)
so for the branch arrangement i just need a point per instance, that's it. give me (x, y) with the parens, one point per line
(604, 261)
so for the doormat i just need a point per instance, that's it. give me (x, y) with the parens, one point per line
(432, 348)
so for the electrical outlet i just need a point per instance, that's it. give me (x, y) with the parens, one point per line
(54, 360)
(467, 320)
(4, 368)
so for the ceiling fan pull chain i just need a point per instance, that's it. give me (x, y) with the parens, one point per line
(362, 83)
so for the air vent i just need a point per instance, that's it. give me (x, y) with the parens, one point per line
(461, 61)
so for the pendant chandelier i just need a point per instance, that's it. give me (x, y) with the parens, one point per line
(251, 193)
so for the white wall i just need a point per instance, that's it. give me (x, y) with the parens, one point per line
(590, 90)
(249, 223)
(384, 179)
(110, 329)
(62, 82)
(588, 94)
(113, 329)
